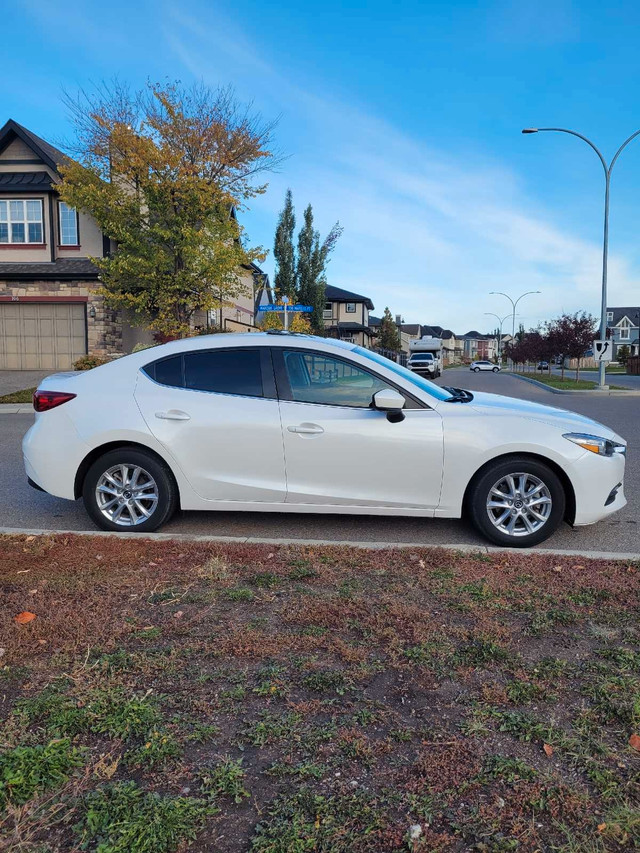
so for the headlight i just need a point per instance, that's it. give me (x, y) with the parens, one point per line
(596, 444)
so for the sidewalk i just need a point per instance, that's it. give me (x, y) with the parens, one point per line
(16, 409)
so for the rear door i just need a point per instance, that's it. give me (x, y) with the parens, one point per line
(217, 414)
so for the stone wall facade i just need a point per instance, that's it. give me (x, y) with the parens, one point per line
(104, 330)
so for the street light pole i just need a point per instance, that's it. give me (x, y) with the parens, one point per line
(500, 321)
(605, 242)
(500, 293)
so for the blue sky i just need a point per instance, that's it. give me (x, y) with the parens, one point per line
(402, 121)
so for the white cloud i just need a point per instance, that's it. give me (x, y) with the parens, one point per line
(425, 233)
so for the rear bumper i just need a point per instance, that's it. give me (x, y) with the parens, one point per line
(52, 455)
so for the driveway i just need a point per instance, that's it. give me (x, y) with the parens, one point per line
(16, 380)
(21, 506)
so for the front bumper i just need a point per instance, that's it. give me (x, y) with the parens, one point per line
(595, 479)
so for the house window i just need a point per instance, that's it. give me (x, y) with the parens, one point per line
(68, 225)
(351, 307)
(327, 313)
(624, 330)
(21, 221)
(609, 316)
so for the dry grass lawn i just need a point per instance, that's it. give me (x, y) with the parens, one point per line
(292, 699)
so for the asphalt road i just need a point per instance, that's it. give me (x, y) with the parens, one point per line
(21, 506)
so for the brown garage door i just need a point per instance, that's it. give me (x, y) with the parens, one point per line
(47, 335)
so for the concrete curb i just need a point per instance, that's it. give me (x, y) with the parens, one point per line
(629, 393)
(464, 548)
(16, 409)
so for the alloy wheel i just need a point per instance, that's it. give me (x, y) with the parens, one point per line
(519, 504)
(126, 495)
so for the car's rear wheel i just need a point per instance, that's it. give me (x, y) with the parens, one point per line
(476, 370)
(128, 489)
(518, 502)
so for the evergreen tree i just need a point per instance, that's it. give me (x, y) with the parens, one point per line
(311, 267)
(284, 252)
(389, 334)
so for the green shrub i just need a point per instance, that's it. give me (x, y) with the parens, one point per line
(87, 362)
(122, 818)
(29, 770)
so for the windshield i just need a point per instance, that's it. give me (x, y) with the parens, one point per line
(422, 356)
(407, 375)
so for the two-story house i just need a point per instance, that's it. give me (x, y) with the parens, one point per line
(624, 328)
(51, 311)
(346, 316)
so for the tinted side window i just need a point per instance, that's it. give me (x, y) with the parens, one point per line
(166, 372)
(226, 372)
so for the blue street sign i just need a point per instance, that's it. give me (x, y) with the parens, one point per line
(305, 309)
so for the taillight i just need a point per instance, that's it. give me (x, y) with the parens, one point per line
(45, 400)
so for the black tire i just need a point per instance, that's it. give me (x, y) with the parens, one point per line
(492, 474)
(167, 490)
(495, 369)
(476, 370)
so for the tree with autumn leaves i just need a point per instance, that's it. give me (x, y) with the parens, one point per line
(570, 335)
(162, 172)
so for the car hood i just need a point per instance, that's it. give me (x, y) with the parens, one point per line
(571, 421)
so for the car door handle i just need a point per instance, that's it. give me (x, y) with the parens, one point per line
(173, 415)
(306, 429)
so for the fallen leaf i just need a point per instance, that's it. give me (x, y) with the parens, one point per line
(178, 614)
(33, 592)
(578, 567)
(548, 749)
(29, 538)
(602, 827)
(24, 617)
(634, 742)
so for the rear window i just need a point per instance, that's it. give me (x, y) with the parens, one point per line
(220, 371)
(226, 372)
(166, 372)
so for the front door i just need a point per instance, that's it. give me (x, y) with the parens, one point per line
(339, 451)
(215, 411)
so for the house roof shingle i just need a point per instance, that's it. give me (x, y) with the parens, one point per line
(61, 270)
(337, 294)
(621, 313)
(21, 181)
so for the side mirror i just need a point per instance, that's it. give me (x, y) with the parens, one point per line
(391, 402)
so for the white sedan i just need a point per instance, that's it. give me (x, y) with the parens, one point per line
(293, 423)
(477, 366)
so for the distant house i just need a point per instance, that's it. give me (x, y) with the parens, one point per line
(478, 346)
(623, 326)
(51, 310)
(346, 316)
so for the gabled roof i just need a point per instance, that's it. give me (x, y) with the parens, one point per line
(374, 321)
(337, 294)
(620, 313)
(48, 153)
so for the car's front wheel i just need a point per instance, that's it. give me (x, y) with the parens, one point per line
(496, 369)
(128, 489)
(476, 370)
(518, 502)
